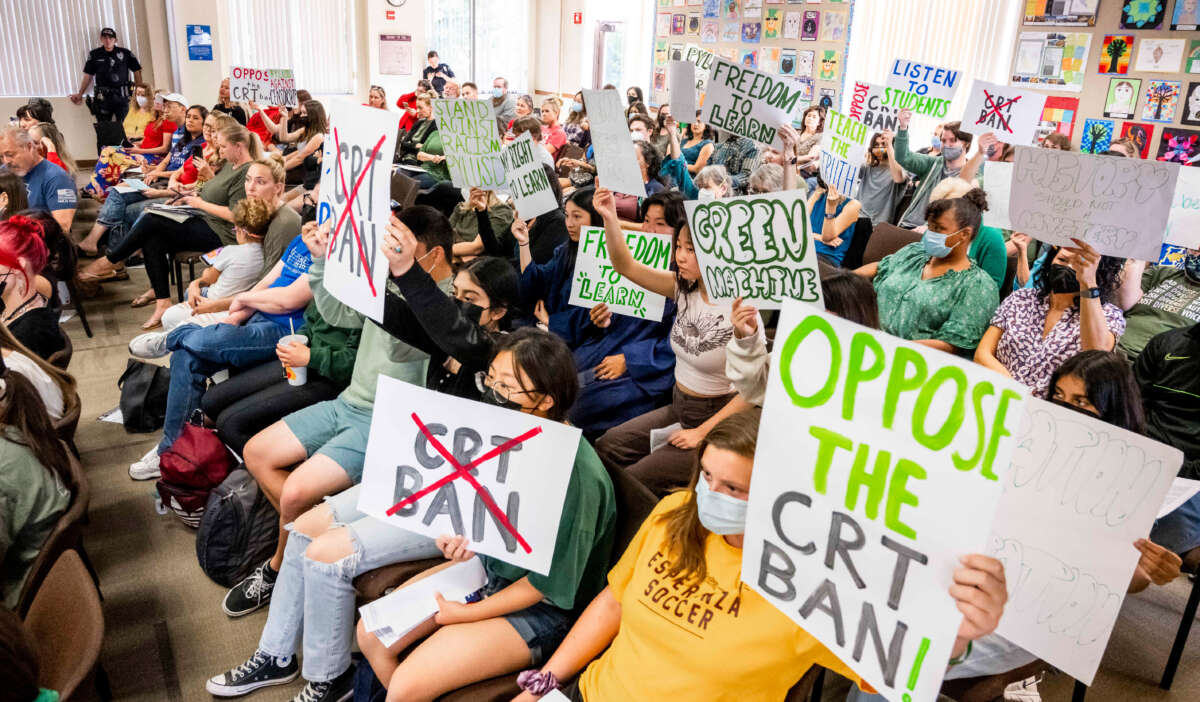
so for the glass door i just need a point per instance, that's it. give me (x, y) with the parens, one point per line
(609, 67)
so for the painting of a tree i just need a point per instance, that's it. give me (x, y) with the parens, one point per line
(1161, 99)
(1116, 49)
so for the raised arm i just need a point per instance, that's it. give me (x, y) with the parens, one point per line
(661, 282)
(918, 164)
(1094, 334)
(970, 170)
(897, 171)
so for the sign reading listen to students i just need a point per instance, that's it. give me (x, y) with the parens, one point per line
(756, 247)
(879, 465)
(596, 282)
(269, 86)
(923, 79)
(471, 142)
(1118, 205)
(438, 464)
(750, 103)
(355, 189)
(616, 166)
(1012, 114)
(527, 180)
(843, 151)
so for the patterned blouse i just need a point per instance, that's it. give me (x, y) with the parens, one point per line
(1024, 348)
(954, 307)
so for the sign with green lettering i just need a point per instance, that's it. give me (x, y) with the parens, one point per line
(471, 142)
(596, 282)
(843, 150)
(750, 103)
(879, 465)
(756, 247)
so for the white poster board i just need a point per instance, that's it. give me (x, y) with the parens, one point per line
(879, 465)
(923, 79)
(750, 103)
(997, 183)
(596, 282)
(527, 180)
(843, 152)
(438, 464)
(681, 77)
(266, 86)
(471, 142)
(1118, 205)
(1183, 223)
(1012, 114)
(356, 198)
(616, 166)
(703, 59)
(392, 616)
(1079, 493)
(757, 247)
(873, 106)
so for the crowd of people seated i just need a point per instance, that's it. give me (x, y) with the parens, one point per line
(477, 306)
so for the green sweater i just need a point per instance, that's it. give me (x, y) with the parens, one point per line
(332, 349)
(378, 351)
(31, 501)
(930, 170)
(433, 145)
(987, 249)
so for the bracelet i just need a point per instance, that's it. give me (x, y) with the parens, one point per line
(963, 658)
(520, 245)
(537, 683)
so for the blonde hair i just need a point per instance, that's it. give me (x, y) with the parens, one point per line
(237, 134)
(273, 162)
(252, 215)
(950, 188)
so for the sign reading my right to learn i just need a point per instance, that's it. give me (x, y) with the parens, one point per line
(879, 465)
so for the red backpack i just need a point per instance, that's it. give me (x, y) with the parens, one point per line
(195, 464)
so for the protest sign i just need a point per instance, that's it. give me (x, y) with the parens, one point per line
(274, 86)
(757, 247)
(703, 59)
(869, 104)
(355, 199)
(1079, 493)
(928, 89)
(1012, 114)
(682, 87)
(438, 464)
(471, 142)
(1183, 223)
(1118, 205)
(750, 103)
(997, 183)
(1182, 490)
(527, 180)
(616, 166)
(879, 465)
(843, 152)
(596, 282)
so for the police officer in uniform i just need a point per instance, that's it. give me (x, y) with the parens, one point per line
(109, 65)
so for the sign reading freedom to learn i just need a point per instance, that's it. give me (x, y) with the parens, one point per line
(879, 465)
(596, 282)
(756, 247)
(750, 103)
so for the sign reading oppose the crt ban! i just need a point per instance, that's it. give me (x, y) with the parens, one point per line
(273, 86)
(527, 180)
(750, 103)
(596, 282)
(879, 466)
(438, 465)
(757, 247)
(1118, 205)
(471, 142)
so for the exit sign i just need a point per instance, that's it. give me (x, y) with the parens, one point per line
(389, 14)
(578, 17)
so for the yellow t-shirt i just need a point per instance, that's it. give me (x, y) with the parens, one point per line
(136, 121)
(717, 640)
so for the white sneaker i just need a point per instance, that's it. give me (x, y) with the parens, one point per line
(149, 345)
(1024, 690)
(145, 468)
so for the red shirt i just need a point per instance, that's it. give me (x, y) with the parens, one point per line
(259, 127)
(53, 158)
(152, 138)
(408, 104)
(553, 138)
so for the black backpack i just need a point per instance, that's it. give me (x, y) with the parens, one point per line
(238, 531)
(143, 396)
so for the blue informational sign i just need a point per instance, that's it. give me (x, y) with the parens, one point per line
(199, 42)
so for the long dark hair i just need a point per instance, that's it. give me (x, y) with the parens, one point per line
(498, 280)
(872, 159)
(660, 121)
(188, 137)
(549, 364)
(315, 123)
(653, 161)
(21, 408)
(1111, 387)
(1108, 275)
(582, 198)
(18, 197)
(804, 117)
(686, 536)
(849, 296)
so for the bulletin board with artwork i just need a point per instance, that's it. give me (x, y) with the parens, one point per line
(802, 40)
(1113, 69)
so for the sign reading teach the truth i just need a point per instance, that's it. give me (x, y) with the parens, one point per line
(1012, 114)
(438, 464)
(1118, 205)
(879, 465)
(355, 189)
(756, 247)
(750, 103)
(273, 86)
(1079, 493)
(596, 282)
(471, 142)
(843, 151)
(616, 166)
(527, 180)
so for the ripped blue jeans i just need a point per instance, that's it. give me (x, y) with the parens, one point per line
(316, 599)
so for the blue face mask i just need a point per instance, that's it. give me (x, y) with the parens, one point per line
(497, 93)
(576, 107)
(936, 143)
(720, 513)
(935, 243)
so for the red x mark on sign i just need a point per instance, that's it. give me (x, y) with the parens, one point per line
(987, 97)
(362, 254)
(463, 472)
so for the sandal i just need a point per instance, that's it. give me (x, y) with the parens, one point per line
(150, 324)
(88, 253)
(142, 300)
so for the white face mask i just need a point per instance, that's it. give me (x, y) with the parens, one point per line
(141, 101)
(637, 136)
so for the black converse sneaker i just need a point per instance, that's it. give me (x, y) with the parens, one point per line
(252, 593)
(261, 670)
(340, 689)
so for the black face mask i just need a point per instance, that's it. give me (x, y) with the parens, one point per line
(631, 98)
(470, 310)
(1062, 279)
(489, 396)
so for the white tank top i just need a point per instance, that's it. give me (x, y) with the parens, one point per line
(698, 337)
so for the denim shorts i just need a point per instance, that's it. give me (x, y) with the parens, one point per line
(335, 429)
(542, 626)
(1179, 531)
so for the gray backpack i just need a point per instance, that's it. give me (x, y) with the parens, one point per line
(238, 531)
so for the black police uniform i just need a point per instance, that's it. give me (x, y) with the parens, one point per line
(110, 72)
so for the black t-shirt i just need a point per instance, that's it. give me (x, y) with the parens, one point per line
(38, 330)
(234, 111)
(111, 69)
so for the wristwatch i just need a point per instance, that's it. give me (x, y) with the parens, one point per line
(1090, 293)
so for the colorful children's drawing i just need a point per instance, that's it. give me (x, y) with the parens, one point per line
(1162, 97)
(1115, 53)
(1180, 146)
(1097, 136)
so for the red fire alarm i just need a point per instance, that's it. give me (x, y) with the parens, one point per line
(578, 17)
(389, 14)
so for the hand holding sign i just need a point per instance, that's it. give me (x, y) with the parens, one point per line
(399, 247)
(1157, 564)
(980, 592)
(316, 238)
(454, 548)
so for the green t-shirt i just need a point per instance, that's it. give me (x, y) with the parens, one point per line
(584, 544)
(955, 307)
(284, 226)
(433, 145)
(987, 249)
(226, 188)
(31, 501)
(1169, 301)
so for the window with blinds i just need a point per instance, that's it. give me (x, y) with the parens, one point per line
(315, 38)
(482, 39)
(46, 42)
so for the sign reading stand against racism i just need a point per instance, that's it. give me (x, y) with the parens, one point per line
(879, 465)
(438, 464)
(471, 142)
(355, 200)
